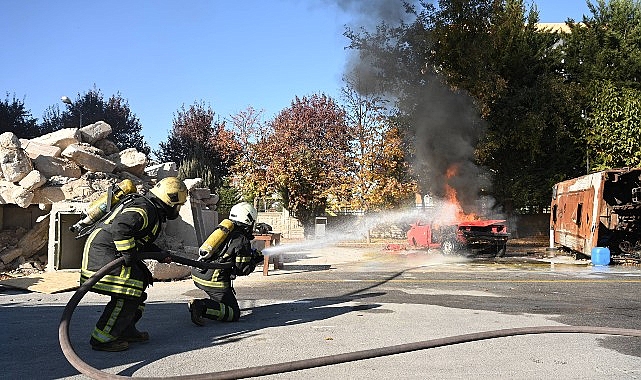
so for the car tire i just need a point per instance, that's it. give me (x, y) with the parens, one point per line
(448, 247)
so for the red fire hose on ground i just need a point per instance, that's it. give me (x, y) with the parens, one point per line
(94, 373)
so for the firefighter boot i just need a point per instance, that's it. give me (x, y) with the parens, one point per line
(112, 346)
(196, 310)
(131, 333)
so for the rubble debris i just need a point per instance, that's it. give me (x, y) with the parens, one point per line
(88, 158)
(92, 133)
(30, 244)
(61, 138)
(15, 164)
(34, 149)
(74, 165)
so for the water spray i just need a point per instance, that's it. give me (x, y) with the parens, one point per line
(441, 212)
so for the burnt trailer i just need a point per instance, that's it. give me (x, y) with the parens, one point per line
(601, 209)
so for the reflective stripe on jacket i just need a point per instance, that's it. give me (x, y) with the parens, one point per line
(235, 249)
(133, 225)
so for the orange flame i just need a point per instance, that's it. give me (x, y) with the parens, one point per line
(452, 197)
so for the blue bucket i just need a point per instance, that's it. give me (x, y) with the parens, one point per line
(600, 256)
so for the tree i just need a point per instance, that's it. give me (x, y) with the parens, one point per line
(603, 62)
(615, 126)
(14, 117)
(478, 85)
(201, 146)
(307, 155)
(606, 45)
(92, 107)
(381, 175)
(249, 171)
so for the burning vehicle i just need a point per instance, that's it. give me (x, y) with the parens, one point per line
(475, 236)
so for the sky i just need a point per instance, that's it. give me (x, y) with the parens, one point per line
(161, 55)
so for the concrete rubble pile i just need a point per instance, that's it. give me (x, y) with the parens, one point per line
(69, 165)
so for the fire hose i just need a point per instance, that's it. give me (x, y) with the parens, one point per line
(94, 373)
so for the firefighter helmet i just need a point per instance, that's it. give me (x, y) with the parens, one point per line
(171, 191)
(243, 213)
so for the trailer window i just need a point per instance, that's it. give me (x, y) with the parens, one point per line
(554, 213)
(579, 213)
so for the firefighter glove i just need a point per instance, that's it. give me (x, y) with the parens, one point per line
(257, 256)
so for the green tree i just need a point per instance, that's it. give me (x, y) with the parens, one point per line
(307, 156)
(200, 145)
(14, 117)
(605, 45)
(603, 62)
(92, 107)
(614, 126)
(483, 95)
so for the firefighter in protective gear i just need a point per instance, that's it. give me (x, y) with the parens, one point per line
(222, 304)
(131, 227)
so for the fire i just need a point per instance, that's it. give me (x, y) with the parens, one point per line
(452, 198)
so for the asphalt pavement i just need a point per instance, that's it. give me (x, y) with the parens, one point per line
(336, 300)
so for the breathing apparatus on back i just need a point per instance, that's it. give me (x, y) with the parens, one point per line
(213, 242)
(242, 215)
(101, 206)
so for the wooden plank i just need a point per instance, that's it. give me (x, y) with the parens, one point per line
(47, 282)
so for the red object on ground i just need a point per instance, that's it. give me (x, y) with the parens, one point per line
(472, 235)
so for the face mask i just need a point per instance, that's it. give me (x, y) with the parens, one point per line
(172, 212)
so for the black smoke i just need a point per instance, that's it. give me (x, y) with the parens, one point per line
(444, 123)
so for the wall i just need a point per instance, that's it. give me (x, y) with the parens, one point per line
(282, 223)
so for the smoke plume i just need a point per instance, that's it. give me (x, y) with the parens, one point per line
(445, 124)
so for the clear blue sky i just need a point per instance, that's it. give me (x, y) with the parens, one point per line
(161, 54)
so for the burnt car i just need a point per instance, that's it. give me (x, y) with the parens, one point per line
(477, 236)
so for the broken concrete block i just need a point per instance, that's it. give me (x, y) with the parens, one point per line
(199, 193)
(131, 161)
(33, 149)
(212, 200)
(48, 195)
(172, 271)
(94, 132)
(22, 197)
(11, 255)
(88, 160)
(192, 183)
(78, 189)
(14, 163)
(55, 166)
(107, 146)
(89, 148)
(7, 189)
(61, 138)
(33, 180)
(9, 140)
(30, 244)
(160, 171)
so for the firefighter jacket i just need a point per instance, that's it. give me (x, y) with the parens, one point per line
(235, 249)
(132, 226)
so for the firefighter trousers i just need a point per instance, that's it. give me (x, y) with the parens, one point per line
(118, 319)
(221, 305)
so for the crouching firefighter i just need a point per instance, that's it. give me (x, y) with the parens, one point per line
(130, 228)
(234, 248)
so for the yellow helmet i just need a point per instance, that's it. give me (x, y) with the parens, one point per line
(171, 191)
